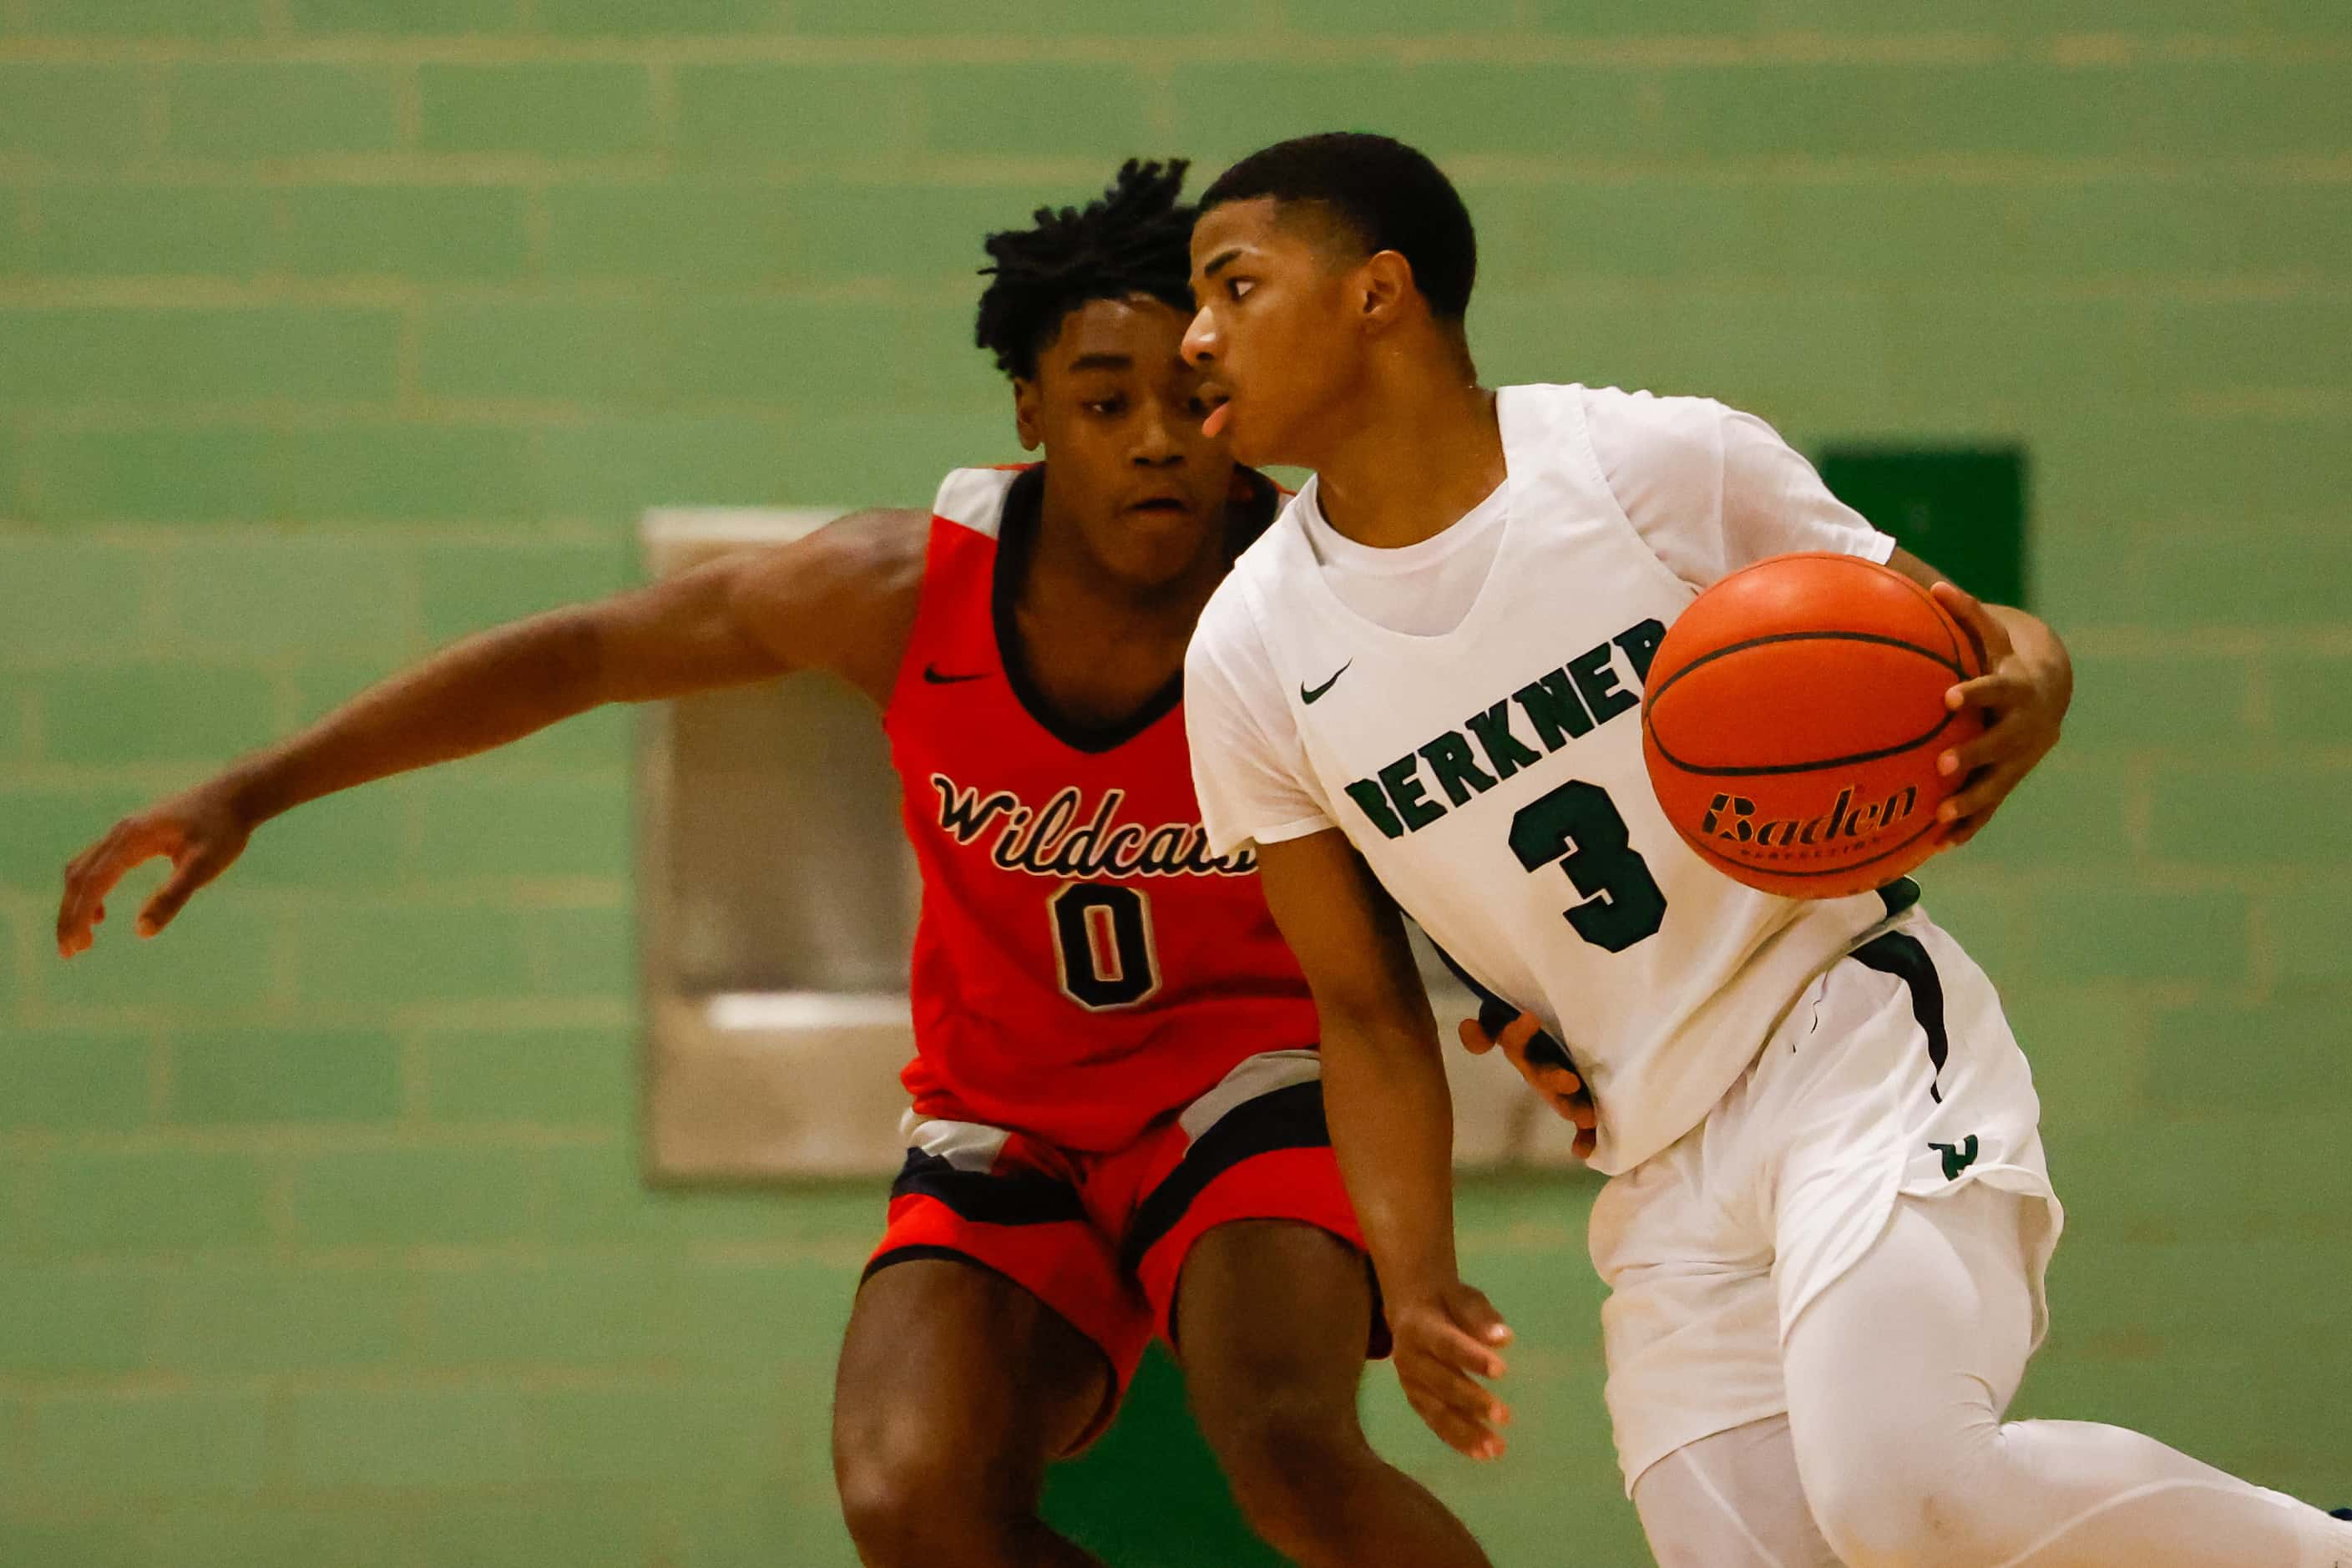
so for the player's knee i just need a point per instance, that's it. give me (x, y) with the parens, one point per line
(911, 1496)
(1898, 1515)
(1292, 1465)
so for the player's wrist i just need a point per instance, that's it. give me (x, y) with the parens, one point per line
(249, 792)
(1417, 1280)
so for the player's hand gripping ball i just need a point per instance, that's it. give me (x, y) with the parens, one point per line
(1794, 715)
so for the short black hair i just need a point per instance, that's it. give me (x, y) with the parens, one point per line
(1134, 239)
(1388, 196)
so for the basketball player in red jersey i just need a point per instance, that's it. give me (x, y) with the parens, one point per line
(1116, 1092)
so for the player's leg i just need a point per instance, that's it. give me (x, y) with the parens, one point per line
(1692, 1333)
(1272, 1319)
(1731, 1501)
(992, 1335)
(1898, 1373)
(1238, 1230)
(956, 1389)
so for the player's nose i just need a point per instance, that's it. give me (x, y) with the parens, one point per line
(1158, 440)
(1201, 344)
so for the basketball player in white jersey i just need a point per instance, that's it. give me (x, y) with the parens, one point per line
(1828, 1213)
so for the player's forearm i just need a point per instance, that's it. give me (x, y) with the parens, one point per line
(483, 692)
(1391, 1119)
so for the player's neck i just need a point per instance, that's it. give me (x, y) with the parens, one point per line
(1428, 450)
(1069, 580)
(1098, 646)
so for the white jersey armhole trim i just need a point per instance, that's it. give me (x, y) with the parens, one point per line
(1287, 831)
(1592, 457)
(974, 498)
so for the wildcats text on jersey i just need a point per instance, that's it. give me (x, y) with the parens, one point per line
(1559, 706)
(1048, 841)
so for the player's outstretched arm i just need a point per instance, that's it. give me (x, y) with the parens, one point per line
(2027, 684)
(1392, 1121)
(841, 599)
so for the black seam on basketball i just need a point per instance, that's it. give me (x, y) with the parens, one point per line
(1837, 870)
(1727, 649)
(1943, 617)
(1650, 707)
(1776, 769)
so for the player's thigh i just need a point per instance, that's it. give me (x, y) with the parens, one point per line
(1271, 1320)
(956, 1387)
(1731, 1501)
(1902, 1366)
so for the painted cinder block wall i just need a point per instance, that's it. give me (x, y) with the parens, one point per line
(330, 329)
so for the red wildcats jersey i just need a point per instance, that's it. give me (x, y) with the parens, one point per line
(1083, 965)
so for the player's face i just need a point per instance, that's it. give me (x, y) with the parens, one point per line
(1274, 335)
(1119, 415)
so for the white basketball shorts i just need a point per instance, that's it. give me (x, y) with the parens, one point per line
(1893, 1074)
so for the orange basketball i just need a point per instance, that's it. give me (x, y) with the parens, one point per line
(1793, 718)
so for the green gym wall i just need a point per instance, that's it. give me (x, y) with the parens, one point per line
(332, 329)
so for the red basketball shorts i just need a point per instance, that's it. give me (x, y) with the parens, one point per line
(1101, 1239)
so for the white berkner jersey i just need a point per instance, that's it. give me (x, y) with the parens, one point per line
(1492, 777)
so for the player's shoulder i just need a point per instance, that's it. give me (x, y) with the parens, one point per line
(1643, 441)
(974, 499)
(1230, 618)
(1235, 611)
(1640, 415)
(863, 552)
(1230, 652)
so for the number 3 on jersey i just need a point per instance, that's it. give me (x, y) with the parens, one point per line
(1102, 945)
(1578, 828)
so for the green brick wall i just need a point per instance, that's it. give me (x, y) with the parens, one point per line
(330, 329)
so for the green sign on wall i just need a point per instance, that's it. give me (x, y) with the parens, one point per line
(1959, 509)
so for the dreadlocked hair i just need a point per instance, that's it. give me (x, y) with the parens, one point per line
(1132, 239)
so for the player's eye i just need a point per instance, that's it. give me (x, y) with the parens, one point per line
(1239, 288)
(1107, 407)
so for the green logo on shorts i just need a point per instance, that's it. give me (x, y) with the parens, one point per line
(1958, 1157)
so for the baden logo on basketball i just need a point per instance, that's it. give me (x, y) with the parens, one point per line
(1732, 818)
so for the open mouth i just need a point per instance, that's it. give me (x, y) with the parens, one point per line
(1171, 506)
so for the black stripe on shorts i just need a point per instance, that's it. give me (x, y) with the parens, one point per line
(1012, 1198)
(1898, 895)
(916, 1252)
(1287, 1118)
(1899, 953)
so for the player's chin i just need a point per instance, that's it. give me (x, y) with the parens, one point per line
(1157, 543)
(1242, 437)
(1260, 434)
(1167, 520)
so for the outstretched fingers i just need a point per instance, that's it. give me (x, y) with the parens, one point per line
(190, 871)
(92, 874)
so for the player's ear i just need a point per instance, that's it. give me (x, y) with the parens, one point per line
(1385, 281)
(1027, 402)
